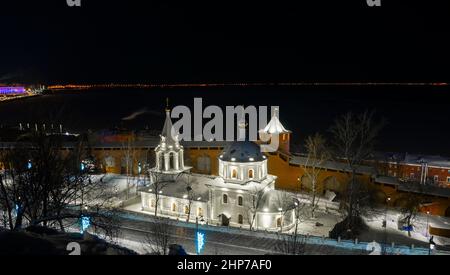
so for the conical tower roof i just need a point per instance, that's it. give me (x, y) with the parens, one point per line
(274, 126)
(168, 132)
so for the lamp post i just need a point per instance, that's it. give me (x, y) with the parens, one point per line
(139, 177)
(388, 199)
(431, 245)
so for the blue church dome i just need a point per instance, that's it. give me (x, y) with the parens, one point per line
(242, 151)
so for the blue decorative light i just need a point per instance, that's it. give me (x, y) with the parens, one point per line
(139, 168)
(200, 241)
(29, 165)
(85, 223)
(408, 228)
(82, 166)
(12, 90)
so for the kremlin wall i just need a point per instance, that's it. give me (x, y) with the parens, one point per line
(387, 176)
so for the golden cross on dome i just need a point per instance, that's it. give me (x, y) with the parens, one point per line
(167, 104)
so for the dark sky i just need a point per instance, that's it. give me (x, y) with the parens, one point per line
(215, 41)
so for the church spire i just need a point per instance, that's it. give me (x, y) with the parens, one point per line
(168, 132)
(167, 105)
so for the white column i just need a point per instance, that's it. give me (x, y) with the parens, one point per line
(220, 169)
(181, 159)
(175, 161)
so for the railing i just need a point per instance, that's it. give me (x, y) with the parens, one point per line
(367, 247)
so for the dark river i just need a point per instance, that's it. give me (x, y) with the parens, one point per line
(418, 117)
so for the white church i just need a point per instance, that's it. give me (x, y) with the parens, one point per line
(242, 195)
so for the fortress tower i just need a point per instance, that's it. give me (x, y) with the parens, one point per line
(275, 128)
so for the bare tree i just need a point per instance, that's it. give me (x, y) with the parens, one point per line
(256, 195)
(191, 194)
(411, 203)
(45, 185)
(8, 195)
(129, 157)
(316, 158)
(285, 203)
(159, 237)
(293, 243)
(158, 183)
(353, 142)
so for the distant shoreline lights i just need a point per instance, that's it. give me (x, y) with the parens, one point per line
(12, 90)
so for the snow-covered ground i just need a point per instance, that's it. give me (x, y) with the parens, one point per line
(327, 216)
(419, 235)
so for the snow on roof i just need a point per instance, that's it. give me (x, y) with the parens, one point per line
(430, 160)
(201, 184)
(218, 182)
(177, 189)
(335, 165)
(425, 189)
(273, 200)
(274, 126)
(413, 159)
(387, 180)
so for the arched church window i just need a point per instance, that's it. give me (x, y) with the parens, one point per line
(161, 162)
(186, 210)
(225, 198)
(234, 174)
(250, 174)
(200, 212)
(240, 201)
(279, 221)
(240, 219)
(171, 161)
(174, 207)
(152, 203)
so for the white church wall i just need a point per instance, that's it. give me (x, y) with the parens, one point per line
(231, 208)
(240, 172)
(166, 206)
(269, 221)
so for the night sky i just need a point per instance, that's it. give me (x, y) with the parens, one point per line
(224, 41)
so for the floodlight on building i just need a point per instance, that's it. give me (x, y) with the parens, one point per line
(233, 159)
(185, 196)
(251, 159)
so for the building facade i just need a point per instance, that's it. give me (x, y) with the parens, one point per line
(242, 194)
